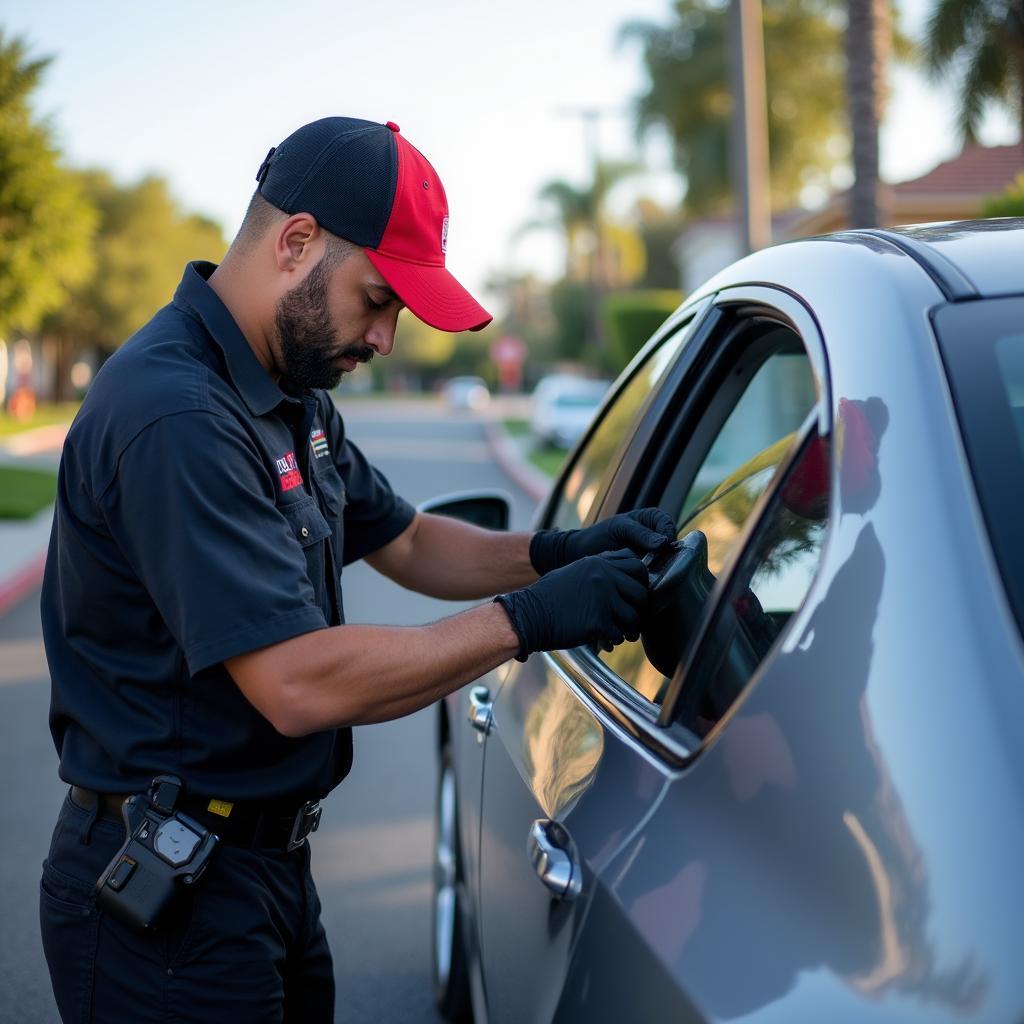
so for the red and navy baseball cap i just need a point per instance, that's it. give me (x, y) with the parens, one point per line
(365, 183)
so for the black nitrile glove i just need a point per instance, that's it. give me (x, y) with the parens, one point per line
(597, 599)
(642, 530)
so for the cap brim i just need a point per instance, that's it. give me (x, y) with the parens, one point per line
(432, 294)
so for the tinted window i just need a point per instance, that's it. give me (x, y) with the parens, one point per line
(590, 466)
(983, 349)
(769, 585)
(756, 437)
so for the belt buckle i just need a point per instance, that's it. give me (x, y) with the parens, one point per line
(307, 819)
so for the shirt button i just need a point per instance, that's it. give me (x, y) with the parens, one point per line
(305, 532)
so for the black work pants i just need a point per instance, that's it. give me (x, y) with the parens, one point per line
(246, 945)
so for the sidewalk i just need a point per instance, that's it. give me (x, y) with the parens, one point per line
(23, 542)
(508, 453)
(22, 556)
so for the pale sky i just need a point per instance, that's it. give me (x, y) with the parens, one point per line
(200, 91)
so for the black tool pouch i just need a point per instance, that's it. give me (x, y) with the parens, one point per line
(164, 853)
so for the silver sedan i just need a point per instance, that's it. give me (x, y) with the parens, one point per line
(800, 796)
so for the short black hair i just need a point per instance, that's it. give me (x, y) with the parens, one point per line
(261, 216)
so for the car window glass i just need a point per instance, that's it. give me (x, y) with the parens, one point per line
(769, 587)
(771, 408)
(582, 486)
(759, 432)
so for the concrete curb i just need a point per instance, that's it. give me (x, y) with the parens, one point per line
(23, 546)
(507, 455)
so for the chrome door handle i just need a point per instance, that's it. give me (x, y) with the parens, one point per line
(553, 855)
(480, 710)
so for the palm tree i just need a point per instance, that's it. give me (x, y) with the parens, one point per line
(592, 246)
(983, 42)
(578, 213)
(868, 38)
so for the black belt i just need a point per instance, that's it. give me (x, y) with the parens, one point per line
(258, 826)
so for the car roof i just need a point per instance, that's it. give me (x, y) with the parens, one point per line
(966, 259)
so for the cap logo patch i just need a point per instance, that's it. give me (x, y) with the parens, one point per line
(288, 471)
(319, 442)
(444, 235)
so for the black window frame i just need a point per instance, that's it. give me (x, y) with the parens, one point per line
(659, 440)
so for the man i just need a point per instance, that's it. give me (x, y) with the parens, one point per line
(192, 605)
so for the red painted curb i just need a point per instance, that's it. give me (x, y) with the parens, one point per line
(21, 583)
(524, 476)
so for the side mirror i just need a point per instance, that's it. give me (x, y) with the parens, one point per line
(490, 509)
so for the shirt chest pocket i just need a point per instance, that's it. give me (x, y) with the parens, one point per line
(332, 491)
(311, 529)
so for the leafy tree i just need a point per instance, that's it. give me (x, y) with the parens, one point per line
(45, 221)
(142, 244)
(687, 62)
(981, 41)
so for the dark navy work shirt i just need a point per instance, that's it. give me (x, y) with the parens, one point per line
(202, 512)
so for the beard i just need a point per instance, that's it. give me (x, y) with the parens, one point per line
(309, 343)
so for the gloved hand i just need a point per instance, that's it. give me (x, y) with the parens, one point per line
(643, 530)
(597, 599)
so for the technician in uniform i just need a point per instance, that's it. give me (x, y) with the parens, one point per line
(192, 605)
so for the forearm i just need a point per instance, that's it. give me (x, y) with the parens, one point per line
(447, 558)
(354, 675)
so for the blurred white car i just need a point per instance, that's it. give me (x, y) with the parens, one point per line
(466, 393)
(563, 406)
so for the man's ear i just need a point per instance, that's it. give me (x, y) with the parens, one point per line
(295, 241)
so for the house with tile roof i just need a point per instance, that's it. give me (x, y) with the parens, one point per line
(953, 190)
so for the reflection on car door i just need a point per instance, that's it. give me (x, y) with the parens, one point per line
(551, 757)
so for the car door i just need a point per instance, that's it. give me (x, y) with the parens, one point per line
(585, 746)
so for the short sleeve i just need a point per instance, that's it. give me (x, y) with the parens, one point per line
(192, 507)
(374, 514)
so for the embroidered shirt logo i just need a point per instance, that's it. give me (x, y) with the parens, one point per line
(288, 470)
(319, 442)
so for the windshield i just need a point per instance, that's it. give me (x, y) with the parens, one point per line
(983, 348)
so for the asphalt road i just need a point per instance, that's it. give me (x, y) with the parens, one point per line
(372, 854)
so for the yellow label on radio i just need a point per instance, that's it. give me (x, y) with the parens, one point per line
(221, 807)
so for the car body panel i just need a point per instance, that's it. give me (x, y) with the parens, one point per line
(549, 756)
(846, 844)
(987, 253)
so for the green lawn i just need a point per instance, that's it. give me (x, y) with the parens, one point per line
(45, 415)
(517, 428)
(548, 460)
(24, 492)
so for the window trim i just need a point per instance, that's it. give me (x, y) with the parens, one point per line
(674, 745)
(691, 376)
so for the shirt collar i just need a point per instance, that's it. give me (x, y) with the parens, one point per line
(254, 384)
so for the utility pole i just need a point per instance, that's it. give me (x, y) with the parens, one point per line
(750, 124)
